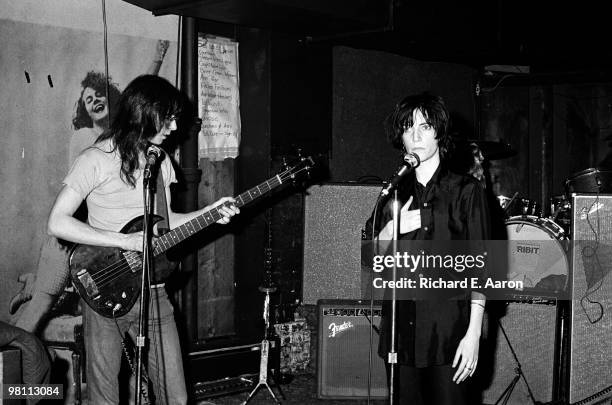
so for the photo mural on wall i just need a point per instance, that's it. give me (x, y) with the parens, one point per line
(56, 105)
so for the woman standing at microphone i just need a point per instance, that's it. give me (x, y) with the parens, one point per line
(437, 340)
(108, 176)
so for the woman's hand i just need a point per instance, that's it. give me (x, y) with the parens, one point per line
(161, 49)
(410, 220)
(466, 357)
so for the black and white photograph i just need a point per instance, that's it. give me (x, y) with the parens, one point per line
(223, 202)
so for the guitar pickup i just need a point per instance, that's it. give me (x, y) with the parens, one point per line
(88, 283)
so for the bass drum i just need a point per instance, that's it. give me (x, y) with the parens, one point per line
(537, 254)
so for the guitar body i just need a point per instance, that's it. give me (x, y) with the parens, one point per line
(108, 279)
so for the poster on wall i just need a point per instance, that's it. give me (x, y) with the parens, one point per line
(218, 99)
(56, 103)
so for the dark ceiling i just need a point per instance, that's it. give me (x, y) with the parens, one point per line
(544, 36)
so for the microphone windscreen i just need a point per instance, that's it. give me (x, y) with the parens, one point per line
(412, 159)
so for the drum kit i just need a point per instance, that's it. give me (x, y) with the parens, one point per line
(528, 229)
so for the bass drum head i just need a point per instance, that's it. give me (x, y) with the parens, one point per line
(537, 254)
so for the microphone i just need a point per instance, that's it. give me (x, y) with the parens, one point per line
(412, 161)
(154, 153)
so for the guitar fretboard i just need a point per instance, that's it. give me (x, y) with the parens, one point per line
(179, 234)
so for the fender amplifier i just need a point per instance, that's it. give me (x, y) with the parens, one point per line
(344, 350)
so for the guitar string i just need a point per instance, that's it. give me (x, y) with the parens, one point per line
(110, 275)
(112, 272)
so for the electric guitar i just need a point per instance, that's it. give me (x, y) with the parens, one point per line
(108, 279)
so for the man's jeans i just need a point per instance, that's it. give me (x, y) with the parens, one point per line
(103, 352)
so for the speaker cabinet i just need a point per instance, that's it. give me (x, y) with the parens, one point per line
(334, 217)
(344, 350)
(533, 334)
(590, 342)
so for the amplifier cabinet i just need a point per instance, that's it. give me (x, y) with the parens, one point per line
(590, 323)
(533, 331)
(344, 350)
(334, 216)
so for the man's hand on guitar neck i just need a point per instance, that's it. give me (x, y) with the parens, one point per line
(226, 207)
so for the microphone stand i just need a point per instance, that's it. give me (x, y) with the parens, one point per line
(144, 285)
(392, 356)
(412, 161)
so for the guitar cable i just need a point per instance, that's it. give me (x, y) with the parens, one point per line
(155, 344)
(597, 272)
(129, 357)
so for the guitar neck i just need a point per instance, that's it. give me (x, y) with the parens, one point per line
(209, 217)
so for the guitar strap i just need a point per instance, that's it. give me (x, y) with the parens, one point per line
(161, 205)
(161, 208)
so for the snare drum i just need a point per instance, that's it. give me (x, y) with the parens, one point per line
(536, 251)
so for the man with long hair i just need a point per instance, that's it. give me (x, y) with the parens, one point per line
(108, 177)
(437, 339)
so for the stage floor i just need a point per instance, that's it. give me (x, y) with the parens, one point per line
(301, 390)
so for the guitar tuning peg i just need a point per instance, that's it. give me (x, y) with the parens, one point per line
(285, 165)
(299, 153)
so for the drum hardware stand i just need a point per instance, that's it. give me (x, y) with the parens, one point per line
(509, 204)
(505, 396)
(265, 348)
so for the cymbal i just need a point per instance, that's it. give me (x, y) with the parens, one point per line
(491, 150)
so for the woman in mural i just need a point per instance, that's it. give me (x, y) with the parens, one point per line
(94, 110)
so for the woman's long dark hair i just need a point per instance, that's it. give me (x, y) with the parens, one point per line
(143, 107)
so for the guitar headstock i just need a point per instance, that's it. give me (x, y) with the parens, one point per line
(302, 167)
